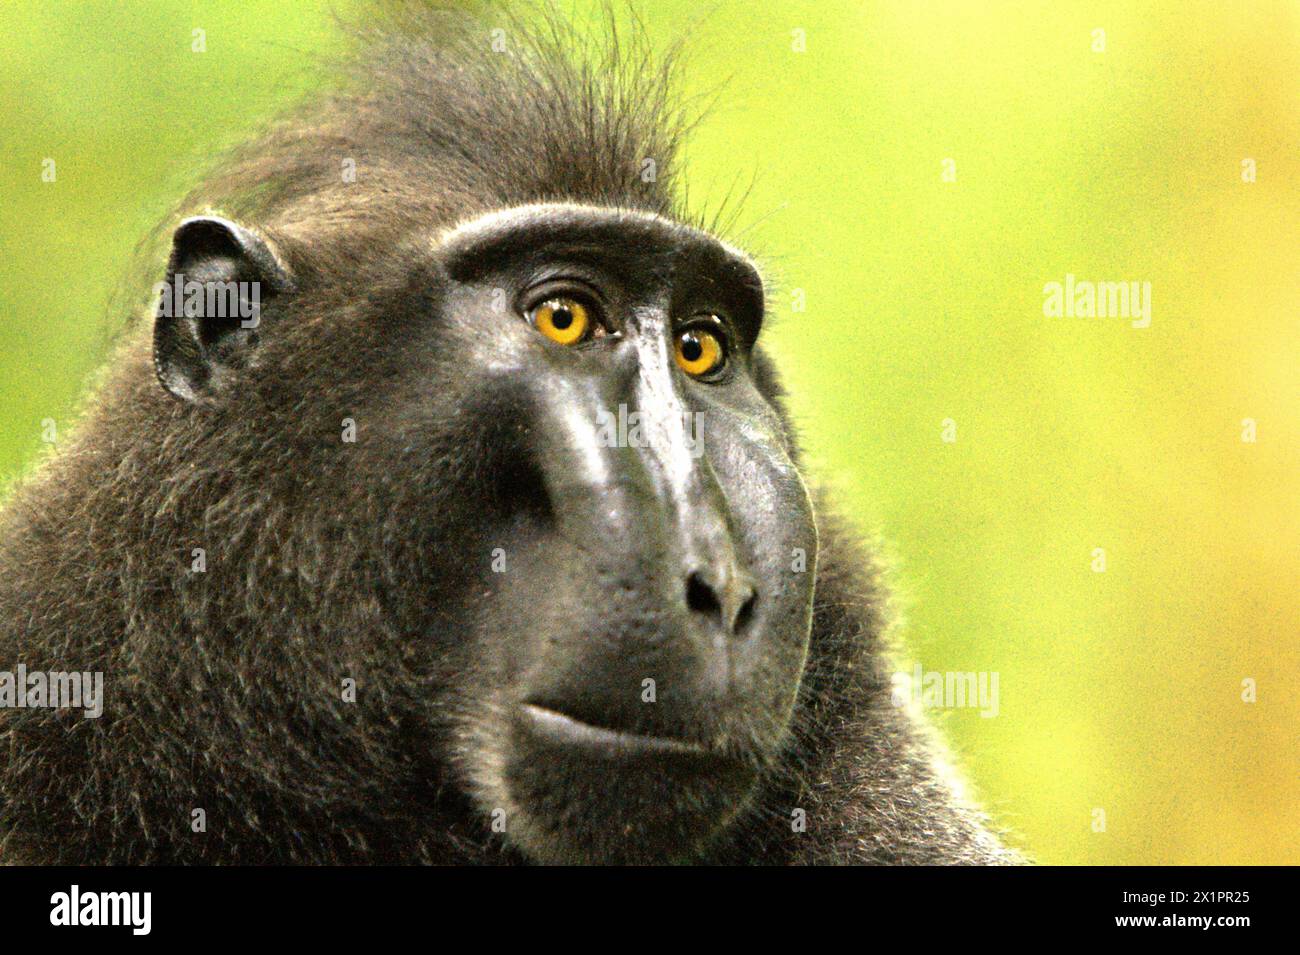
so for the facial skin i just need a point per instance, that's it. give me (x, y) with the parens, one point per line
(646, 640)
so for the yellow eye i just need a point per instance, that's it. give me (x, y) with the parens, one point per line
(698, 351)
(563, 320)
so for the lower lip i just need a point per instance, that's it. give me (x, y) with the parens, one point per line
(564, 730)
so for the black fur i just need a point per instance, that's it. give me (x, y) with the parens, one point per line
(222, 688)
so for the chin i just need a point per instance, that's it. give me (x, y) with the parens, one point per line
(578, 794)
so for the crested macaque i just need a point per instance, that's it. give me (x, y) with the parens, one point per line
(464, 523)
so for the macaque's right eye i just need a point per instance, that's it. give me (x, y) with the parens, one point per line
(564, 319)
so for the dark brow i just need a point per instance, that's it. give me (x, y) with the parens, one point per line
(583, 232)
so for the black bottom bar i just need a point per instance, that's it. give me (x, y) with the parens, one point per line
(333, 905)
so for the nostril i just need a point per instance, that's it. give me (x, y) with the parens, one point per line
(730, 607)
(702, 598)
(746, 613)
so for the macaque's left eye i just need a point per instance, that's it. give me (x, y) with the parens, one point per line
(699, 351)
(563, 320)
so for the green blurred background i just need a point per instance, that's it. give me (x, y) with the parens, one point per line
(1120, 690)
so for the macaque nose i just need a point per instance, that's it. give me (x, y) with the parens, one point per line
(723, 594)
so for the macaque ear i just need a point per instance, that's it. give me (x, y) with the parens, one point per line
(219, 277)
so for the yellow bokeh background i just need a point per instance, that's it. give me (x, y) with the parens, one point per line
(1120, 691)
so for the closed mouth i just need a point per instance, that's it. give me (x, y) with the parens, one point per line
(557, 727)
(594, 793)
